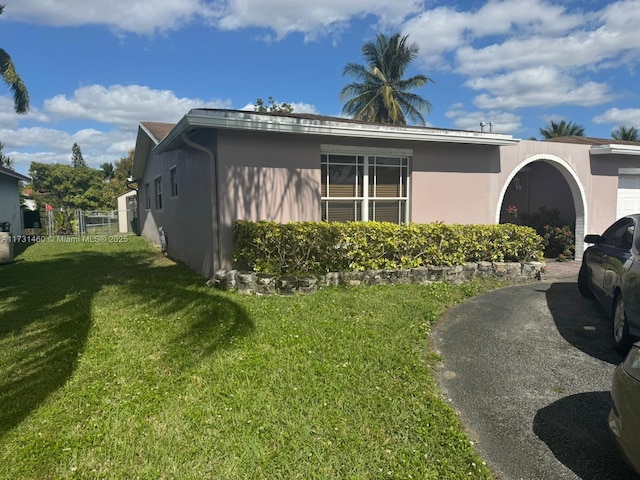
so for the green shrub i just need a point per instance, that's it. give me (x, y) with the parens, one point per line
(559, 238)
(560, 243)
(320, 247)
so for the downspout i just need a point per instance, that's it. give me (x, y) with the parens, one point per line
(213, 160)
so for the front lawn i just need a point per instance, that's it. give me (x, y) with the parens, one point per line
(116, 362)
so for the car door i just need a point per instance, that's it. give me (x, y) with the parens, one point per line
(601, 259)
(618, 254)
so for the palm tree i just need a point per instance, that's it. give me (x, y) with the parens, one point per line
(562, 129)
(13, 80)
(625, 133)
(381, 95)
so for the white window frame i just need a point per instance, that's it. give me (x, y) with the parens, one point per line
(369, 154)
(157, 189)
(147, 189)
(173, 181)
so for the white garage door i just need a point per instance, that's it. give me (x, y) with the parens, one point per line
(628, 195)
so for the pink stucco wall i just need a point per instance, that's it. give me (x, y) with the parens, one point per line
(266, 177)
(276, 176)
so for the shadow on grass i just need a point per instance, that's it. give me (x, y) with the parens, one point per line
(582, 322)
(46, 316)
(575, 430)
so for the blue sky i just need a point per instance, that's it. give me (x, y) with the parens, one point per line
(95, 69)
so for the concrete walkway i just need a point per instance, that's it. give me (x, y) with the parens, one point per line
(529, 369)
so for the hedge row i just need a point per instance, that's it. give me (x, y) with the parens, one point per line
(321, 247)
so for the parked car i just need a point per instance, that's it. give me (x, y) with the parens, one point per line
(624, 419)
(610, 272)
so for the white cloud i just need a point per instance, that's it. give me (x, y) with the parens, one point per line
(445, 29)
(49, 145)
(125, 106)
(147, 17)
(503, 122)
(311, 18)
(534, 87)
(620, 116)
(136, 16)
(524, 53)
(120, 108)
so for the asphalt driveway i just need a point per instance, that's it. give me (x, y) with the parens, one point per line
(529, 370)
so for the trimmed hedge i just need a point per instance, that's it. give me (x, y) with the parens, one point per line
(321, 247)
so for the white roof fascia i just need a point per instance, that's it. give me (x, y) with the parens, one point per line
(257, 123)
(615, 149)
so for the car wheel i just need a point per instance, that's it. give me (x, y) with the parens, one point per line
(621, 336)
(583, 282)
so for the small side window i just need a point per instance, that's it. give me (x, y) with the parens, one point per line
(158, 190)
(173, 178)
(147, 193)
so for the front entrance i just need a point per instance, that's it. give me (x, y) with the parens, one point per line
(543, 185)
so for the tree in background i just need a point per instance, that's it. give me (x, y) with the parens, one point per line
(5, 161)
(625, 133)
(273, 106)
(381, 93)
(107, 171)
(77, 160)
(562, 129)
(13, 80)
(66, 189)
(119, 183)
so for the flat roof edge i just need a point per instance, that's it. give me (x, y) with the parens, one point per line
(248, 121)
(615, 149)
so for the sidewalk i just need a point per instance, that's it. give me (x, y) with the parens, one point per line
(561, 270)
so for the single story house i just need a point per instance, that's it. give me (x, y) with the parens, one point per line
(216, 166)
(10, 212)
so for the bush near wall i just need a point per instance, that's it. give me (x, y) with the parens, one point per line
(321, 247)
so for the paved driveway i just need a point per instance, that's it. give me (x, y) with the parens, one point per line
(529, 369)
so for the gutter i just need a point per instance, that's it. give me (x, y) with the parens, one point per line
(214, 181)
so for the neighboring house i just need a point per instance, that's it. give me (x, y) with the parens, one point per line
(10, 199)
(128, 212)
(216, 166)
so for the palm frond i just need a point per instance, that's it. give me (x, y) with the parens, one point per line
(380, 93)
(15, 83)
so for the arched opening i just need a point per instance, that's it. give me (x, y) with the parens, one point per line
(545, 181)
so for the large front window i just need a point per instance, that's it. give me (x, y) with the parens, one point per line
(364, 187)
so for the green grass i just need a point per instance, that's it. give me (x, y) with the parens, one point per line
(116, 362)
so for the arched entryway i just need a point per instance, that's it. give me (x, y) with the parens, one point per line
(548, 181)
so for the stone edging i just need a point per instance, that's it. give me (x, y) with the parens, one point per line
(267, 284)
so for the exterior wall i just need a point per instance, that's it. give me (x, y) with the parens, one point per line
(276, 176)
(10, 203)
(266, 177)
(187, 218)
(454, 183)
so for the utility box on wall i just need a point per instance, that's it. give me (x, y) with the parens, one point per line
(6, 247)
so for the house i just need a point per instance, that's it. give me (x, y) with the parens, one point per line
(10, 212)
(216, 166)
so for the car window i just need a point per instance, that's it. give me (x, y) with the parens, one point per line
(620, 234)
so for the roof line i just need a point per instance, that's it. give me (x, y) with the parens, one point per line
(14, 174)
(615, 149)
(331, 126)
